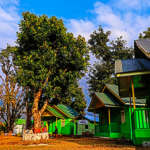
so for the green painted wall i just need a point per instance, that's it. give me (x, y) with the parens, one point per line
(64, 126)
(104, 128)
(126, 126)
(68, 128)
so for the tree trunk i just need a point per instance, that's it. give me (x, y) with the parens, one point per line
(8, 118)
(28, 115)
(35, 110)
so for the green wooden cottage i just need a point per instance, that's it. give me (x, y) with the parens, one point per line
(124, 109)
(134, 81)
(114, 113)
(67, 121)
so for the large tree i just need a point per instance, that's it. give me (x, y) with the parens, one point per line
(11, 94)
(106, 51)
(50, 60)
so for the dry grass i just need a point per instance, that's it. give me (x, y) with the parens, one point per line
(65, 143)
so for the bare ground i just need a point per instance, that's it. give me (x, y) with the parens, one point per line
(66, 143)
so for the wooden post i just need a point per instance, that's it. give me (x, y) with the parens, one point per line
(133, 94)
(56, 121)
(109, 121)
(109, 116)
(131, 128)
(74, 127)
(94, 118)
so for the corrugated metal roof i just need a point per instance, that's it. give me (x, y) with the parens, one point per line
(54, 112)
(107, 99)
(143, 44)
(132, 65)
(113, 87)
(67, 110)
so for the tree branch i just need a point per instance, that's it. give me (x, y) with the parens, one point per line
(44, 107)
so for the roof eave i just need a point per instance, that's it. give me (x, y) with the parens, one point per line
(142, 50)
(125, 74)
(118, 97)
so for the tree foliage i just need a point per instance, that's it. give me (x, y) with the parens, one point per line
(11, 94)
(106, 51)
(50, 60)
(145, 34)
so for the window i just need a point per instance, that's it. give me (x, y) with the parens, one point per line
(63, 123)
(122, 116)
(86, 126)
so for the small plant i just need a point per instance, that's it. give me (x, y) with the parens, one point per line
(19, 134)
(2, 127)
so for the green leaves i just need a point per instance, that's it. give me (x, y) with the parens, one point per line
(106, 51)
(44, 45)
(145, 34)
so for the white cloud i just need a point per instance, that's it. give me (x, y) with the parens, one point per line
(133, 4)
(82, 27)
(106, 16)
(9, 19)
(9, 2)
(127, 23)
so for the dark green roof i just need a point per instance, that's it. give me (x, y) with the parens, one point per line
(71, 113)
(126, 100)
(54, 112)
(107, 99)
(137, 101)
(113, 87)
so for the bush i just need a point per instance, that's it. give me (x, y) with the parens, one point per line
(2, 127)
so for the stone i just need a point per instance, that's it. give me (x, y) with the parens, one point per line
(27, 136)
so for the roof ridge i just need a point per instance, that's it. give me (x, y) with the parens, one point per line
(61, 111)
(114, 93)
(54, 113)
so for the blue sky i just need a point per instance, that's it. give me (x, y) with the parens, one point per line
(124, 17)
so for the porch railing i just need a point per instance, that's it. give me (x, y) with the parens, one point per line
(141, 118)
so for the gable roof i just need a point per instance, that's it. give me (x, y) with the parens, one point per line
(100, 100)
(113, 89)
(54, 112)
(66, 110)
(111, 98)
(142, 45)
(107, 99)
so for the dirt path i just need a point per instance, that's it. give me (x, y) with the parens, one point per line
(66, 143)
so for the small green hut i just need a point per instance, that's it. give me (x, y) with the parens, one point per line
(67, 121)
(59, 116)
(84, 127)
